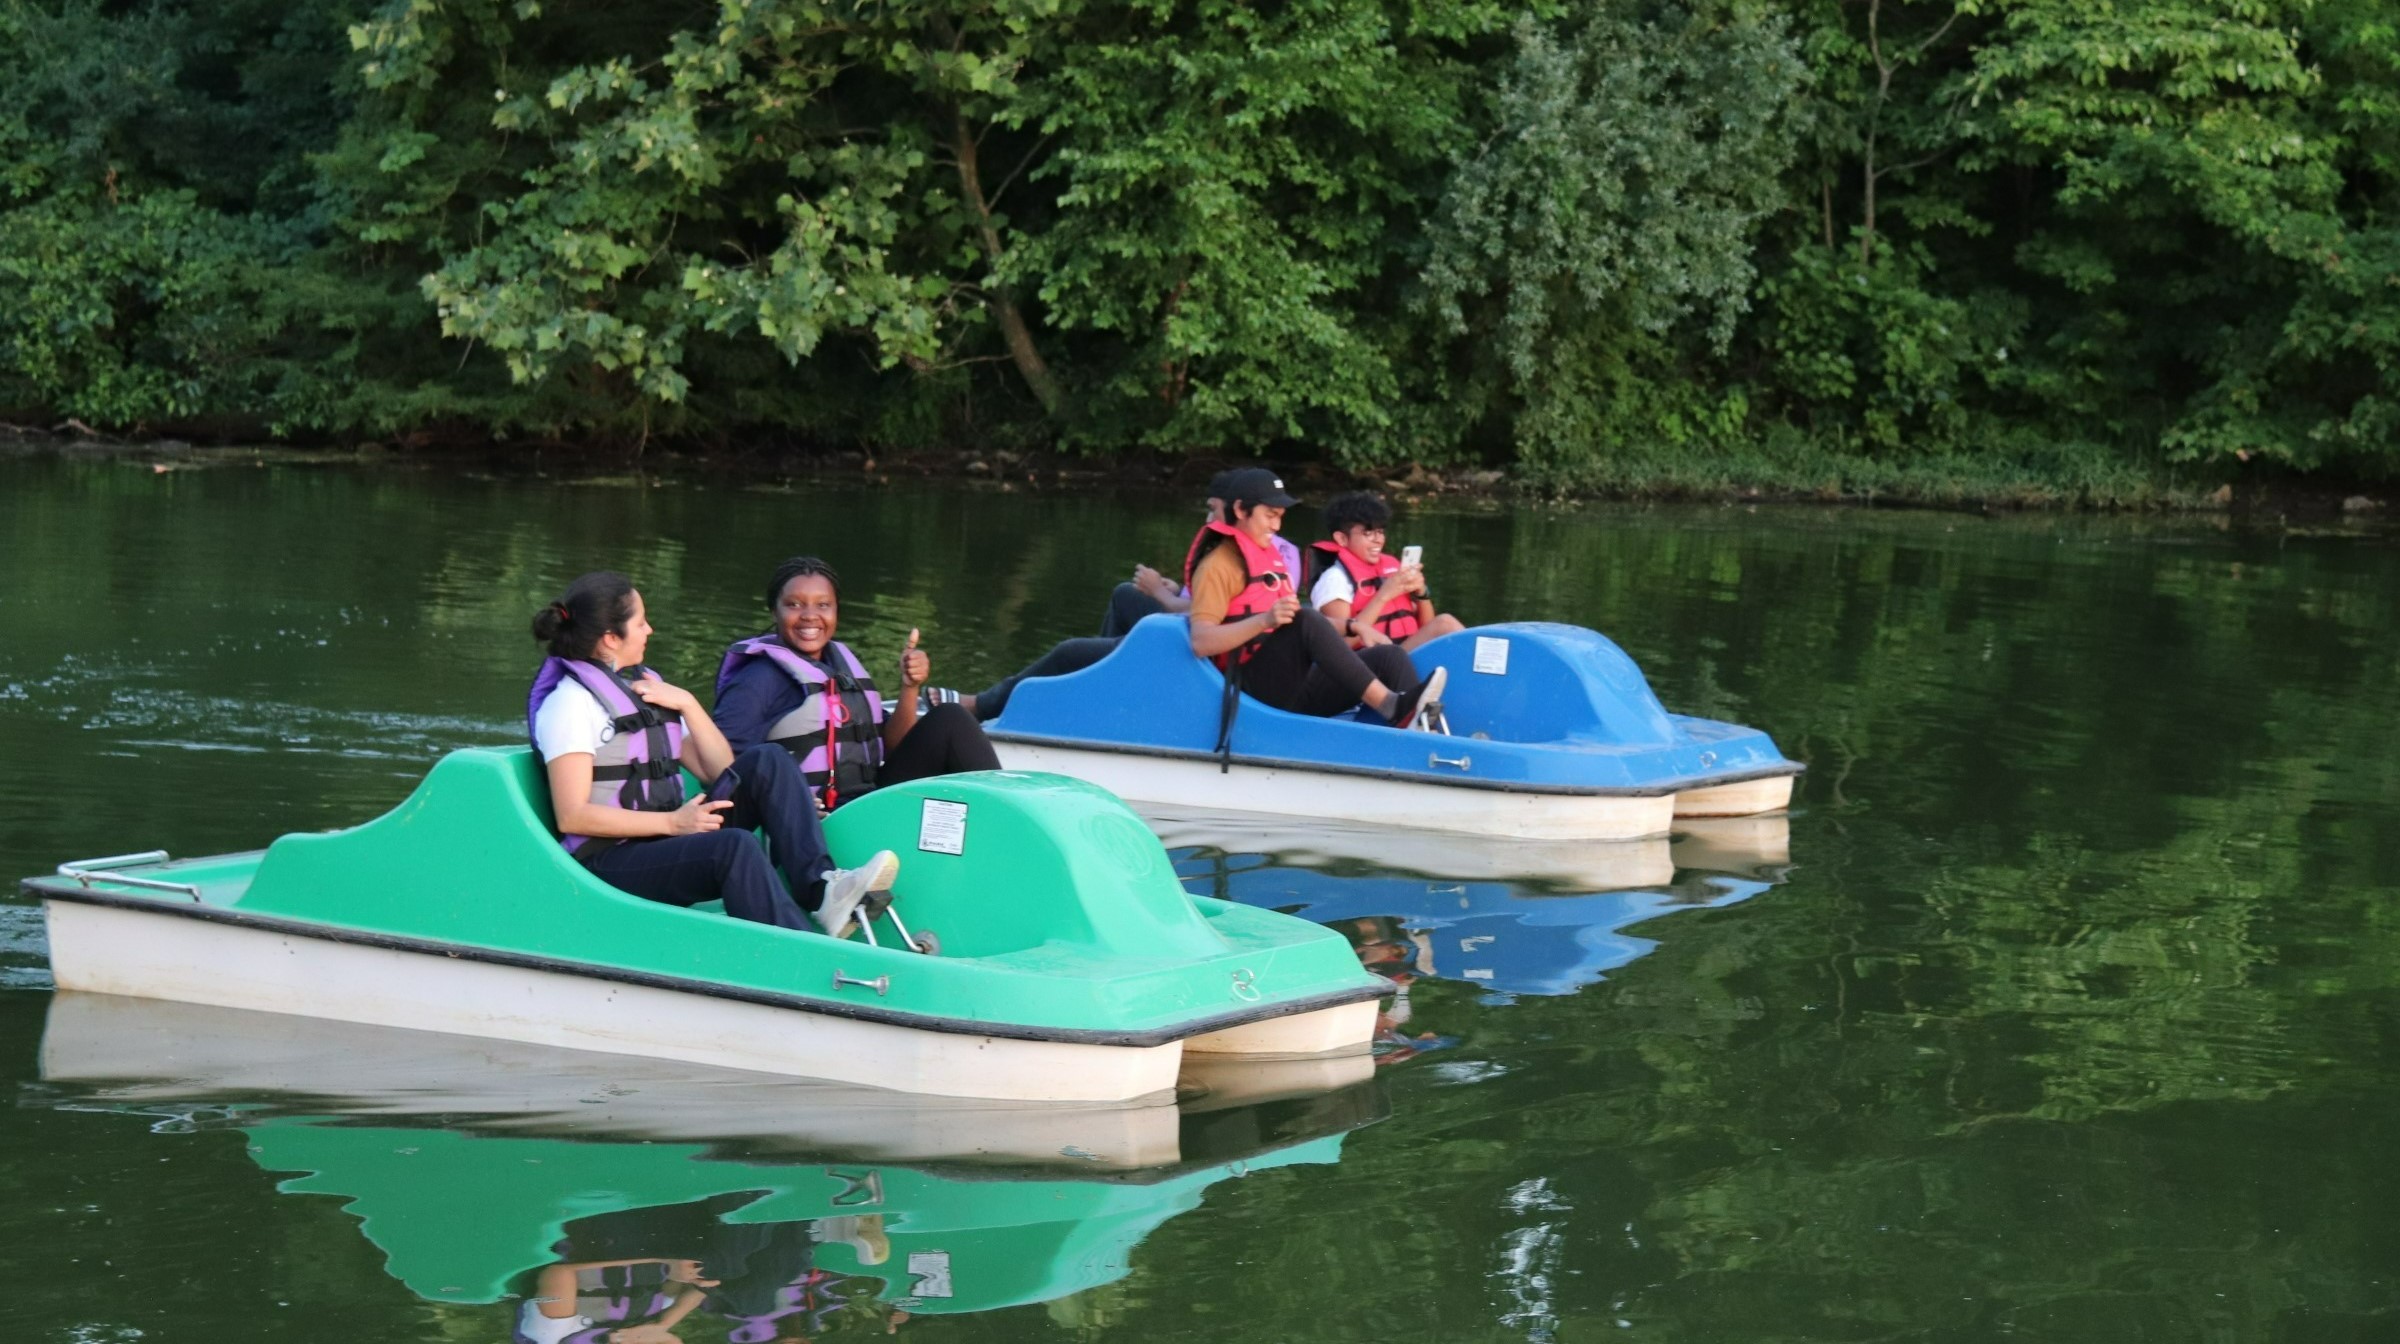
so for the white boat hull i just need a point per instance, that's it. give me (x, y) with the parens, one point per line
(1747, 798)
(134, 1050)
(1580, 865)
(114, 950)
(1326, 1031)
(1174, 781)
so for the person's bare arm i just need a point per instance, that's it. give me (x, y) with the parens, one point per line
(705, 753)
(1210, 638)
(1398, 585)
(1164, 590)
(916, 668)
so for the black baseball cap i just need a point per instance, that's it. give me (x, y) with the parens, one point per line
(1255, 484)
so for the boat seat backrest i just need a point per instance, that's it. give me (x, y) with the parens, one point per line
(1045, 859)
(1539, 682)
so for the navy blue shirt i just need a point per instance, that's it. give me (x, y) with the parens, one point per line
(758, 694)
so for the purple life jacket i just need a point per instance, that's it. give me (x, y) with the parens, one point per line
(811, 1298)
(636, 767)
(840, 763)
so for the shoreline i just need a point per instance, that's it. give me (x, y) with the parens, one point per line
(1940, 485)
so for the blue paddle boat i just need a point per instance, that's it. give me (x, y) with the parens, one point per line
(1554, 734)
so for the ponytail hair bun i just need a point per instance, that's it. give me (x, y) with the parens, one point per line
(550, 620)
(598, 603)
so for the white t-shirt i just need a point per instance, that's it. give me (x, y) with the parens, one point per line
(571, 719)
(1334, 585)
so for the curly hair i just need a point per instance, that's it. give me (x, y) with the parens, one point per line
(1356, 509)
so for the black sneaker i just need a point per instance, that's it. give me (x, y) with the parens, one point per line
(1403, 710)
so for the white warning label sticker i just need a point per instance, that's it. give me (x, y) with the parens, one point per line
(942, 827)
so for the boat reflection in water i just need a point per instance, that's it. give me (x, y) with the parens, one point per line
(601, 1193)
(1508, 916)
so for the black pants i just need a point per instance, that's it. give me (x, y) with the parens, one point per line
(1126, 608)
(1306, 667)
(770, 795)
(946, 741)
(1068, 655)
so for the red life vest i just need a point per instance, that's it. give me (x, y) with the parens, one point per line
(1399, 618)
(1262, 563)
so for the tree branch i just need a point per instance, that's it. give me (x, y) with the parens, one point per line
(1022, 165)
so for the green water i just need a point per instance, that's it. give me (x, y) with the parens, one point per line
(2071, 1017)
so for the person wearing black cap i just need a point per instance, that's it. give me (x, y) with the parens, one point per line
(1149, 594)
(1248, 617)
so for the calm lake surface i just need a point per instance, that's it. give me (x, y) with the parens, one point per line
(2065, 1009)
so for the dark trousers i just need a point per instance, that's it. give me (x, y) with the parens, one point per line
(769, 794)
(1126, 608)
(945, 741)
(1306, 667)
(1068, 655)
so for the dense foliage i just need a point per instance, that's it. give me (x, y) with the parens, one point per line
(1593, 241)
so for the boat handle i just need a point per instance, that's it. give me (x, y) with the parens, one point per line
(1460, 763)
(858, 1187)
(85, 870)
(881, 984)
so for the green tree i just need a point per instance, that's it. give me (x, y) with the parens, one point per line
(1630, 155)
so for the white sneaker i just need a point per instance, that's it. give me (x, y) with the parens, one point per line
(861, 1232)
(846, 887)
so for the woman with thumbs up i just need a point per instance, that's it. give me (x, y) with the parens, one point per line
(799, 688)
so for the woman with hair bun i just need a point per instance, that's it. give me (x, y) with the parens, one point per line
(614, 738)
(798, 688)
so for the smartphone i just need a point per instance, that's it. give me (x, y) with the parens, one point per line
(1412, 555)
(724, 787)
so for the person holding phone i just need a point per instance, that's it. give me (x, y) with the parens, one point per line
(614, 740)
(1370, 597)
(1248, 618)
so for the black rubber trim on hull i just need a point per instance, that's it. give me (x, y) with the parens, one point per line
(951, 1026)
(1684, 785)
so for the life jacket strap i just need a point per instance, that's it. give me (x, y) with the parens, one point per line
(1227, 709)
(654, 768)
(594, 846)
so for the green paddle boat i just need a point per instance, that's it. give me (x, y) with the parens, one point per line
(1071, 965)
